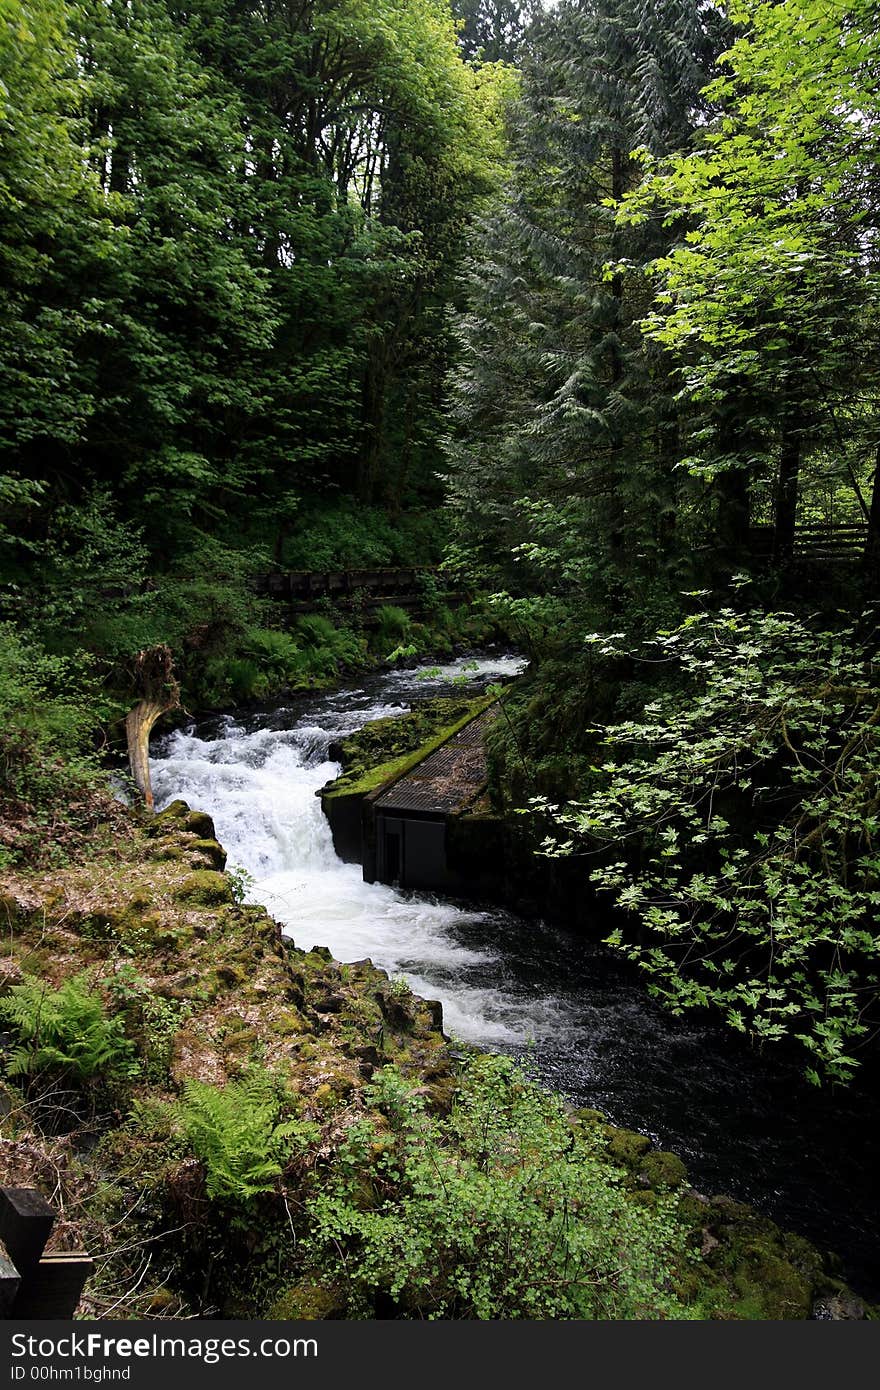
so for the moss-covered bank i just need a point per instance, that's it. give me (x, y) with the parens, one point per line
(337, 1082)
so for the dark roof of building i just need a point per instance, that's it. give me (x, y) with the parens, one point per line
(449, 779)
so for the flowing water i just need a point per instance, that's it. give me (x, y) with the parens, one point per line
(578, 1018)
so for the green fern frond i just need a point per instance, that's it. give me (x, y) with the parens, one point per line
(238, 1133)
(64, 1029)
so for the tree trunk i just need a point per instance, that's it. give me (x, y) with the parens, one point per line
(373, 415)
(786, 497)
(155, 682)
(872, 544)
(733, 517)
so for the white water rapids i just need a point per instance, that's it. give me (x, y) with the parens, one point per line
(258, 780)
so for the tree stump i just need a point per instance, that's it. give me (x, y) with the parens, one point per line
(156, 684)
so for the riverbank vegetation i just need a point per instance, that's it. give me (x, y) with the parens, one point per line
(573, 310)
(665, 464)
(238, 1128)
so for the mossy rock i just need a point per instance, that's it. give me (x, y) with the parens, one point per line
(769, 1275)
(230, 974)
(645, 1197)
(172, 818)
(167, 850)
(590, 1119)
(211, 850)
(309, 1302)
(765, 1280)
(432, 1013)
(663, 1170)
(200, 823)
(398, 1010)
(204, 888)
(625, 1147)
(834, 1302)
(342, 1085)
(440, 1095)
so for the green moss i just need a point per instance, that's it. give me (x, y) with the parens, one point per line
(210, 850)
(310, 1303)
(768, 1282)
(760, 1272)
(172, 818)
(591, 1118)
(200, 823)
(363, 780)
(167, 850)
(205, 888)
(625, 1147)
(663, 1170)
(230, 974)
(396, 735)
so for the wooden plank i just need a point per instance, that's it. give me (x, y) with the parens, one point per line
(26, 1221)
(10, 1282)
(55, 1287)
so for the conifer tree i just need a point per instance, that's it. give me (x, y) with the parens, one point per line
(567, 439)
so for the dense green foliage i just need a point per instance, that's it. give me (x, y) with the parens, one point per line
(64, 1033)
(565, 413)
(495, 30)
(668, 369)
(500, 1211)
(239, 1134)
(247, 216)
(228, 239)
(48, 771)
(507, 1207)
(744, 799)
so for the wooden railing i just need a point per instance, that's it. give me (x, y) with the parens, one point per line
(373, 585)
(815, 542)
(831, 542)
(34, 1284)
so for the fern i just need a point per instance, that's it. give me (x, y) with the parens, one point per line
(65, 1030)
(238, 1133)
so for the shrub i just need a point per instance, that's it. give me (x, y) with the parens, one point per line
(346, 535)
(48, 774)
(151, 1019)
(737, 822)
(394, 626)
(316, 630)
(245, 679)
(328, 648)
(502, 1210)
(277, 653)
(65, 1030)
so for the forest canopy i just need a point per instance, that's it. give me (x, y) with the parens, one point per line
(580, 301)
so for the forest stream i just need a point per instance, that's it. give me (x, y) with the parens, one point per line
(578, 1018)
